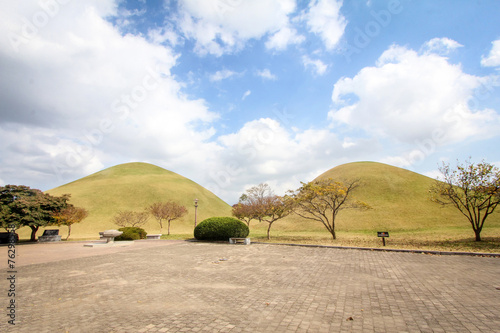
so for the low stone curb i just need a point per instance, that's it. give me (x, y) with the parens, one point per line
(475, 254)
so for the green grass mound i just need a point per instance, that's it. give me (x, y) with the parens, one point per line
(220, 229)
(131, 233)
(135, 186)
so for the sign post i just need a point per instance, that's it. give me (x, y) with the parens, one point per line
(383, 234)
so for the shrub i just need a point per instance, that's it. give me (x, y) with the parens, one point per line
(131, 233)
(220, 228)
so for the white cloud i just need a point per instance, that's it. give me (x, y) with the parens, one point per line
(264, 151)
(413, 98)
(245, 95)
(442, 46)
(317, 65)
(284, 37)
(77, 89)
(220, 27)
(493, 58)
(324, 18)
(222, 75)
(162, 35)
(434, 174)
(266, 74)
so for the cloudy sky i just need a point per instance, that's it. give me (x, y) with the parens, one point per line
(232, 93)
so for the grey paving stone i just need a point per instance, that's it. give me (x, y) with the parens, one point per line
(185, 287)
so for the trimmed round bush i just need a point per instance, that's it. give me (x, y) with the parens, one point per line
(131, 233)
(221, 228)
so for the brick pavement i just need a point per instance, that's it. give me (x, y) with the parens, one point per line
(201, 287)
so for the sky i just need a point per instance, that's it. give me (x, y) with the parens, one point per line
(234, 93)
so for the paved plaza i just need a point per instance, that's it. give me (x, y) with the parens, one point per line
(178, 286)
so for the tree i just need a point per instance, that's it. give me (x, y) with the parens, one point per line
(129, 218)
(272, 209)
(260, 203)
(322, 200)
(168, 211)
(243, 212)
(24, 206)
(474, 189)
(69, 216)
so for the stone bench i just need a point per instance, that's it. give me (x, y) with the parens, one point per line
(245, 241)
(51, 235)
(153, 236)
(109, 235)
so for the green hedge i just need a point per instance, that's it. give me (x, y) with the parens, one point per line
(220, 228)
(131, 233)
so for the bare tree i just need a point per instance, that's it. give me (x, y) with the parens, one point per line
(272, 209)
(473, 189)
(260, 203)
(167, 211)
(130, 218)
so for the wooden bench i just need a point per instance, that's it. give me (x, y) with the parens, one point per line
(245, 241)
(153, 236)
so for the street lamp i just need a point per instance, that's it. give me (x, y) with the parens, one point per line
(195, 210)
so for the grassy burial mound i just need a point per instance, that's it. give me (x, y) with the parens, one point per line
(133, 186)
(400, 204)
(400, 201)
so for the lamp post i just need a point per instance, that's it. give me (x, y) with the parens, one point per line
(195, 210)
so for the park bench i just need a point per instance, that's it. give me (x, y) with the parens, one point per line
(7, 237)
(153, 236)
(50, 235)
(245, 241)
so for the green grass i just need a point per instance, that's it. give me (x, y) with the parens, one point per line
(133, 186)
(399, 199)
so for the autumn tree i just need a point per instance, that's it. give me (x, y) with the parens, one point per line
(130, 218)
(322, 201)
(24, 206)
(249, 205)
(167, 211)
(243, 212)
(69, 216)
(260, 203)
(272, 209)
(474, 189)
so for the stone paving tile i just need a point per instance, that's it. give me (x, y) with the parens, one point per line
(202, 287)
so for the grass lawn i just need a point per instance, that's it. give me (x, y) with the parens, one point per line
(438, 239)
(456, 239)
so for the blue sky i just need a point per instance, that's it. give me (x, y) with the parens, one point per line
(233, 93)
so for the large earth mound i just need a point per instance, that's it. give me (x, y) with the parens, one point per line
(399, 199)
(134, 186)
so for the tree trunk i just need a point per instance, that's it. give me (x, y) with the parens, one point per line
(69, 231)
(168, 231)
(333, 235)
(268, 231)
(478, 235)
(34, 229)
